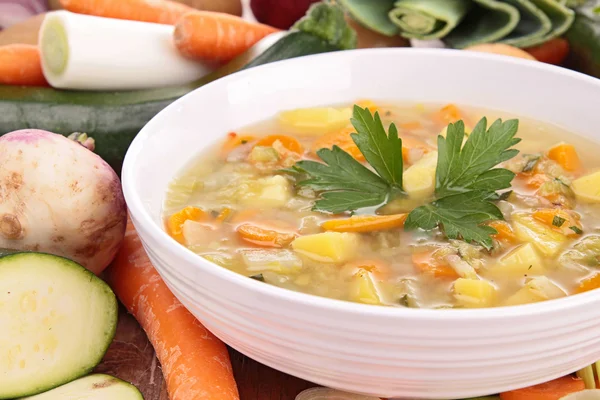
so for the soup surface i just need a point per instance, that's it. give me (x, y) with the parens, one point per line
(428, 223)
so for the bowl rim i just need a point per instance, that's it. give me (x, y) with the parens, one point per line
(139, 213)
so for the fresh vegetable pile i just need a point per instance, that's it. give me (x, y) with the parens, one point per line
(94, 89)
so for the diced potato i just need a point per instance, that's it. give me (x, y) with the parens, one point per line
(474, 293)
(536, 289)
(419, 178)
(587, 188)
(280, 261)
(544, 238)
(363, 288)
(462, 268)
(263, 154)
(524, 260)
(328, 246)
(196, 233)
(315, 121)
(274, 191)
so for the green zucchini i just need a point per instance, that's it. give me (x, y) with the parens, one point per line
(114, 118)
(92, 387)
(58, 320)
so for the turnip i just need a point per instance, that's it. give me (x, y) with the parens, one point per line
(58, 197)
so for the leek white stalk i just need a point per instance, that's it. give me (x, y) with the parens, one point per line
(93, 53)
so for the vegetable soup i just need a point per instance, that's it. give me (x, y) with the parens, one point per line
(422, 206)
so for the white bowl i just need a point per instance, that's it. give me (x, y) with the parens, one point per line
(387, 352)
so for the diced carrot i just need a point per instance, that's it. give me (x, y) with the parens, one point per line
(591, 283)
(290, 143)
(234, 140)
(264, 237)
(505, 232)
(426, 263)
(175, 222)
(224, 214)
(195, 363)
(20, 64)
(553, 390)
(535, 181)
(412, 125)
(342, 139)
(448, 114)
(217, 37)
(365, 223)
(554, 51)
(377, 267)
(368, 104)
(565, 155)
(157, 11)
(559, 220)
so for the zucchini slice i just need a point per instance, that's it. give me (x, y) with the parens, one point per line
(57, 320)
(92, 387)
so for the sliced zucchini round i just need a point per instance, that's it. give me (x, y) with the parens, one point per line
(92, 387)
(57, 320)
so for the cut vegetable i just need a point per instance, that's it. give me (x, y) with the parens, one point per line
(536, 289)
(566, 156)
(321, 393)
(92, 387)
(315, 121)
(365, 223)
(524, 260)
(587, 188)
(328, 246)
(57, 319)
(528, 229)
(87, 52)
(363, 288)
(553, 390)
(419, 178)
(474, 293)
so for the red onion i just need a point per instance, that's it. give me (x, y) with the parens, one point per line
(15, 11)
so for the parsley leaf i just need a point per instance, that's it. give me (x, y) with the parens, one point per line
(470, 167)
(459, 215)
(466, 181)
(346, 184)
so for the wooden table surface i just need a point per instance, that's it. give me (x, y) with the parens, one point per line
(131, 358)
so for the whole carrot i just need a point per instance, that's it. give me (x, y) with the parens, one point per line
(159, 11)
(217, 37)
(195, 364)
(20, 64)
(553, 390)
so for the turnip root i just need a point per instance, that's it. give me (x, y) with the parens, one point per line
(58, 197)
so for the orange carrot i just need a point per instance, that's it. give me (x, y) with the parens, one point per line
(559, 220)
(159, 11)
(566, 156)
(370, 104)
(194, 362)
(20, 64)
(412, 125)
(537, 180)
(218, 37)
(426, 263)
(234, 140)
(365, 223)
(591, 283)
(553, 390)
(225, 214)
(264, 237)
(342, 139)
(290, 143)
(554, 51)
(505, 232)
(175, 222)
(448, 114)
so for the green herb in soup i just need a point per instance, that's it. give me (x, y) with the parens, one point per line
(399, 205)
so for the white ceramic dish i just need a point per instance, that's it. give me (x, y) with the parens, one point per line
(388, 352)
